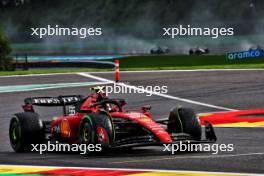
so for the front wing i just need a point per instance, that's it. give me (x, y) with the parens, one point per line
(151, 140)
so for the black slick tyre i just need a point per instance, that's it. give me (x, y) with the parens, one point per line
(25, 129)
(184, 120)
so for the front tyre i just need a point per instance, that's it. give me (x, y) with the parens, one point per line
(184, 120)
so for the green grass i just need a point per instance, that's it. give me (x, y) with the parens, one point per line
(163, 62)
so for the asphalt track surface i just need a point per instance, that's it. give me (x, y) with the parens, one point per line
(230, 89)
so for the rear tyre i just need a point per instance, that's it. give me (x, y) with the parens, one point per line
(97, 128)
(184, 120)
(25, 129)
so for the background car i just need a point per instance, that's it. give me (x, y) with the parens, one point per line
(159, 50)
(198, 51)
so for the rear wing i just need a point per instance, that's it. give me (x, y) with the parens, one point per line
(54, 101)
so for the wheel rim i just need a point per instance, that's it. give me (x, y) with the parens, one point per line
(15, 133)
(86, 134)
(14, 136)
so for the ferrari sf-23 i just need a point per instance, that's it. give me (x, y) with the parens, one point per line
(98, 119)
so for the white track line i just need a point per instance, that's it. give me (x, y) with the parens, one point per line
(189, 157)
(43, 74)
(10, 89)
(142, 170)
(156, 93)
(140, 71)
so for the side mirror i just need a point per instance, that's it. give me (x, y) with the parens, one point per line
(122, 102)
(146, 108)
(98, 89)
(28, 108)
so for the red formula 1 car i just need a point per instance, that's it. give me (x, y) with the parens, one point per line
(97, 119)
